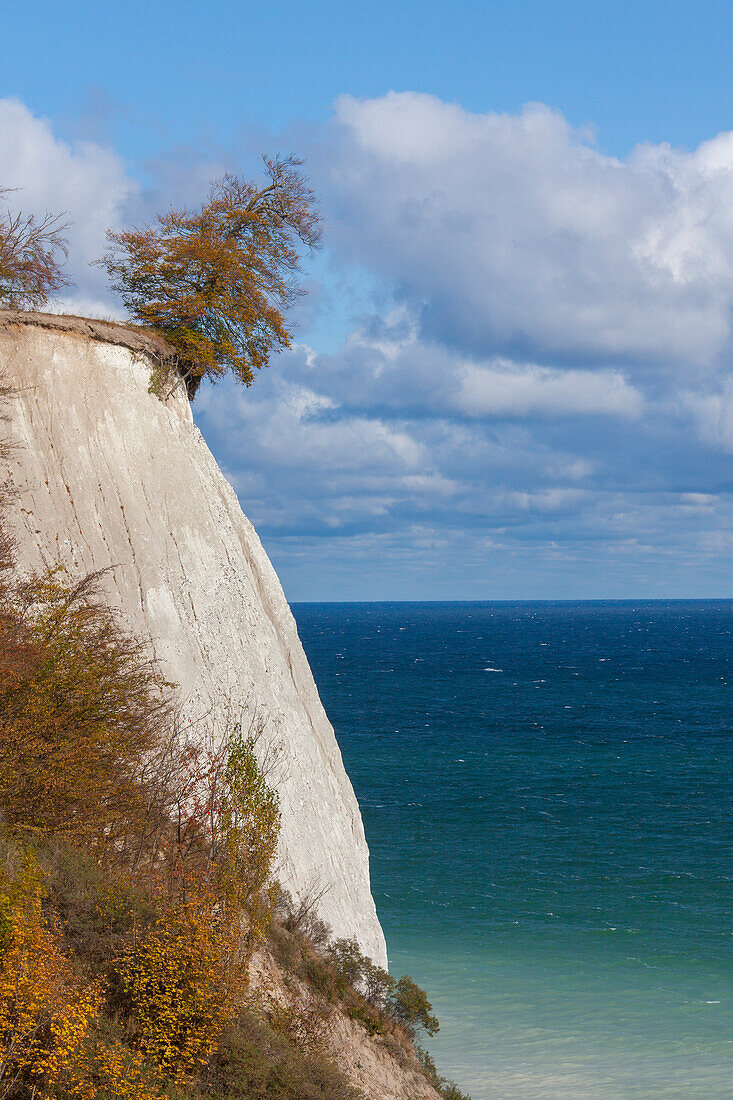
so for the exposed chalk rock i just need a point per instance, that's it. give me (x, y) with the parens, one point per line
(109, 477)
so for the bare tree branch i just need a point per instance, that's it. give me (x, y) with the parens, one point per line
(32, 252)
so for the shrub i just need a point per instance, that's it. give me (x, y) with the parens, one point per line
(97, 913)
(120, 1073)
(409, 1006)
(80, 709)
(286, 948)
(378, 984)
(450, 1091)
(45, 1010)
(348, 962)
(247, 828)
(256, 1062)
(181, 981)
(371, 1020)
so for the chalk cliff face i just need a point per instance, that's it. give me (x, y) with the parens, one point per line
(109, 477)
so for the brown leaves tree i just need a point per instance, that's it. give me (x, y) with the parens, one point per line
(32, 251)
(80, 712)
(216, 282)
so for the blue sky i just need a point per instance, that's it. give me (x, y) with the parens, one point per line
(513, 375)
(175, 71)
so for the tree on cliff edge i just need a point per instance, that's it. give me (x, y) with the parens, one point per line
(30, 251)
(216, 282)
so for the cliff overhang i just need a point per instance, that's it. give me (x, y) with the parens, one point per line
(106, 332)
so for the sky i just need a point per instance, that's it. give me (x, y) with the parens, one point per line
(512, 375)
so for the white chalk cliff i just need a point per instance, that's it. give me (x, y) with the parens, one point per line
(109, 477)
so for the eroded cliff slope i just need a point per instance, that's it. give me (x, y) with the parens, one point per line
(110, 478)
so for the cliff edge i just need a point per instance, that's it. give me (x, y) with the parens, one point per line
(108, 477)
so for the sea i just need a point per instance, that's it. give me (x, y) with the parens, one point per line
(546, 792)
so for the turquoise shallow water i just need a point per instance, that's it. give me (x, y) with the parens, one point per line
(546, 791)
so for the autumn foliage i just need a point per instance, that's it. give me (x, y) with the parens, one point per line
(81, 711)
(216, 282)
(135, 863)
(184, 977)
(45, 1009)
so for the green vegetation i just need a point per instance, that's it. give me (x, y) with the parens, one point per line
(258, 1061)
(395, 1010)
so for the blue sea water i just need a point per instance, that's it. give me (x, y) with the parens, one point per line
(546, 791)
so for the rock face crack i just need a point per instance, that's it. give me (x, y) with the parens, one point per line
(108, 476)
(133, 559)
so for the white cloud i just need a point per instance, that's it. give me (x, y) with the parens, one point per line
(505, 389)
(87, 181)
(550, 500)
(385, 363)
(712, 414)
(514, 235)
(553, 384)
(285, 427)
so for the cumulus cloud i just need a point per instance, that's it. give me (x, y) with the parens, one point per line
(87, 181)
(538, 400)
(512, 234)
(385, 363)
(95, 188)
